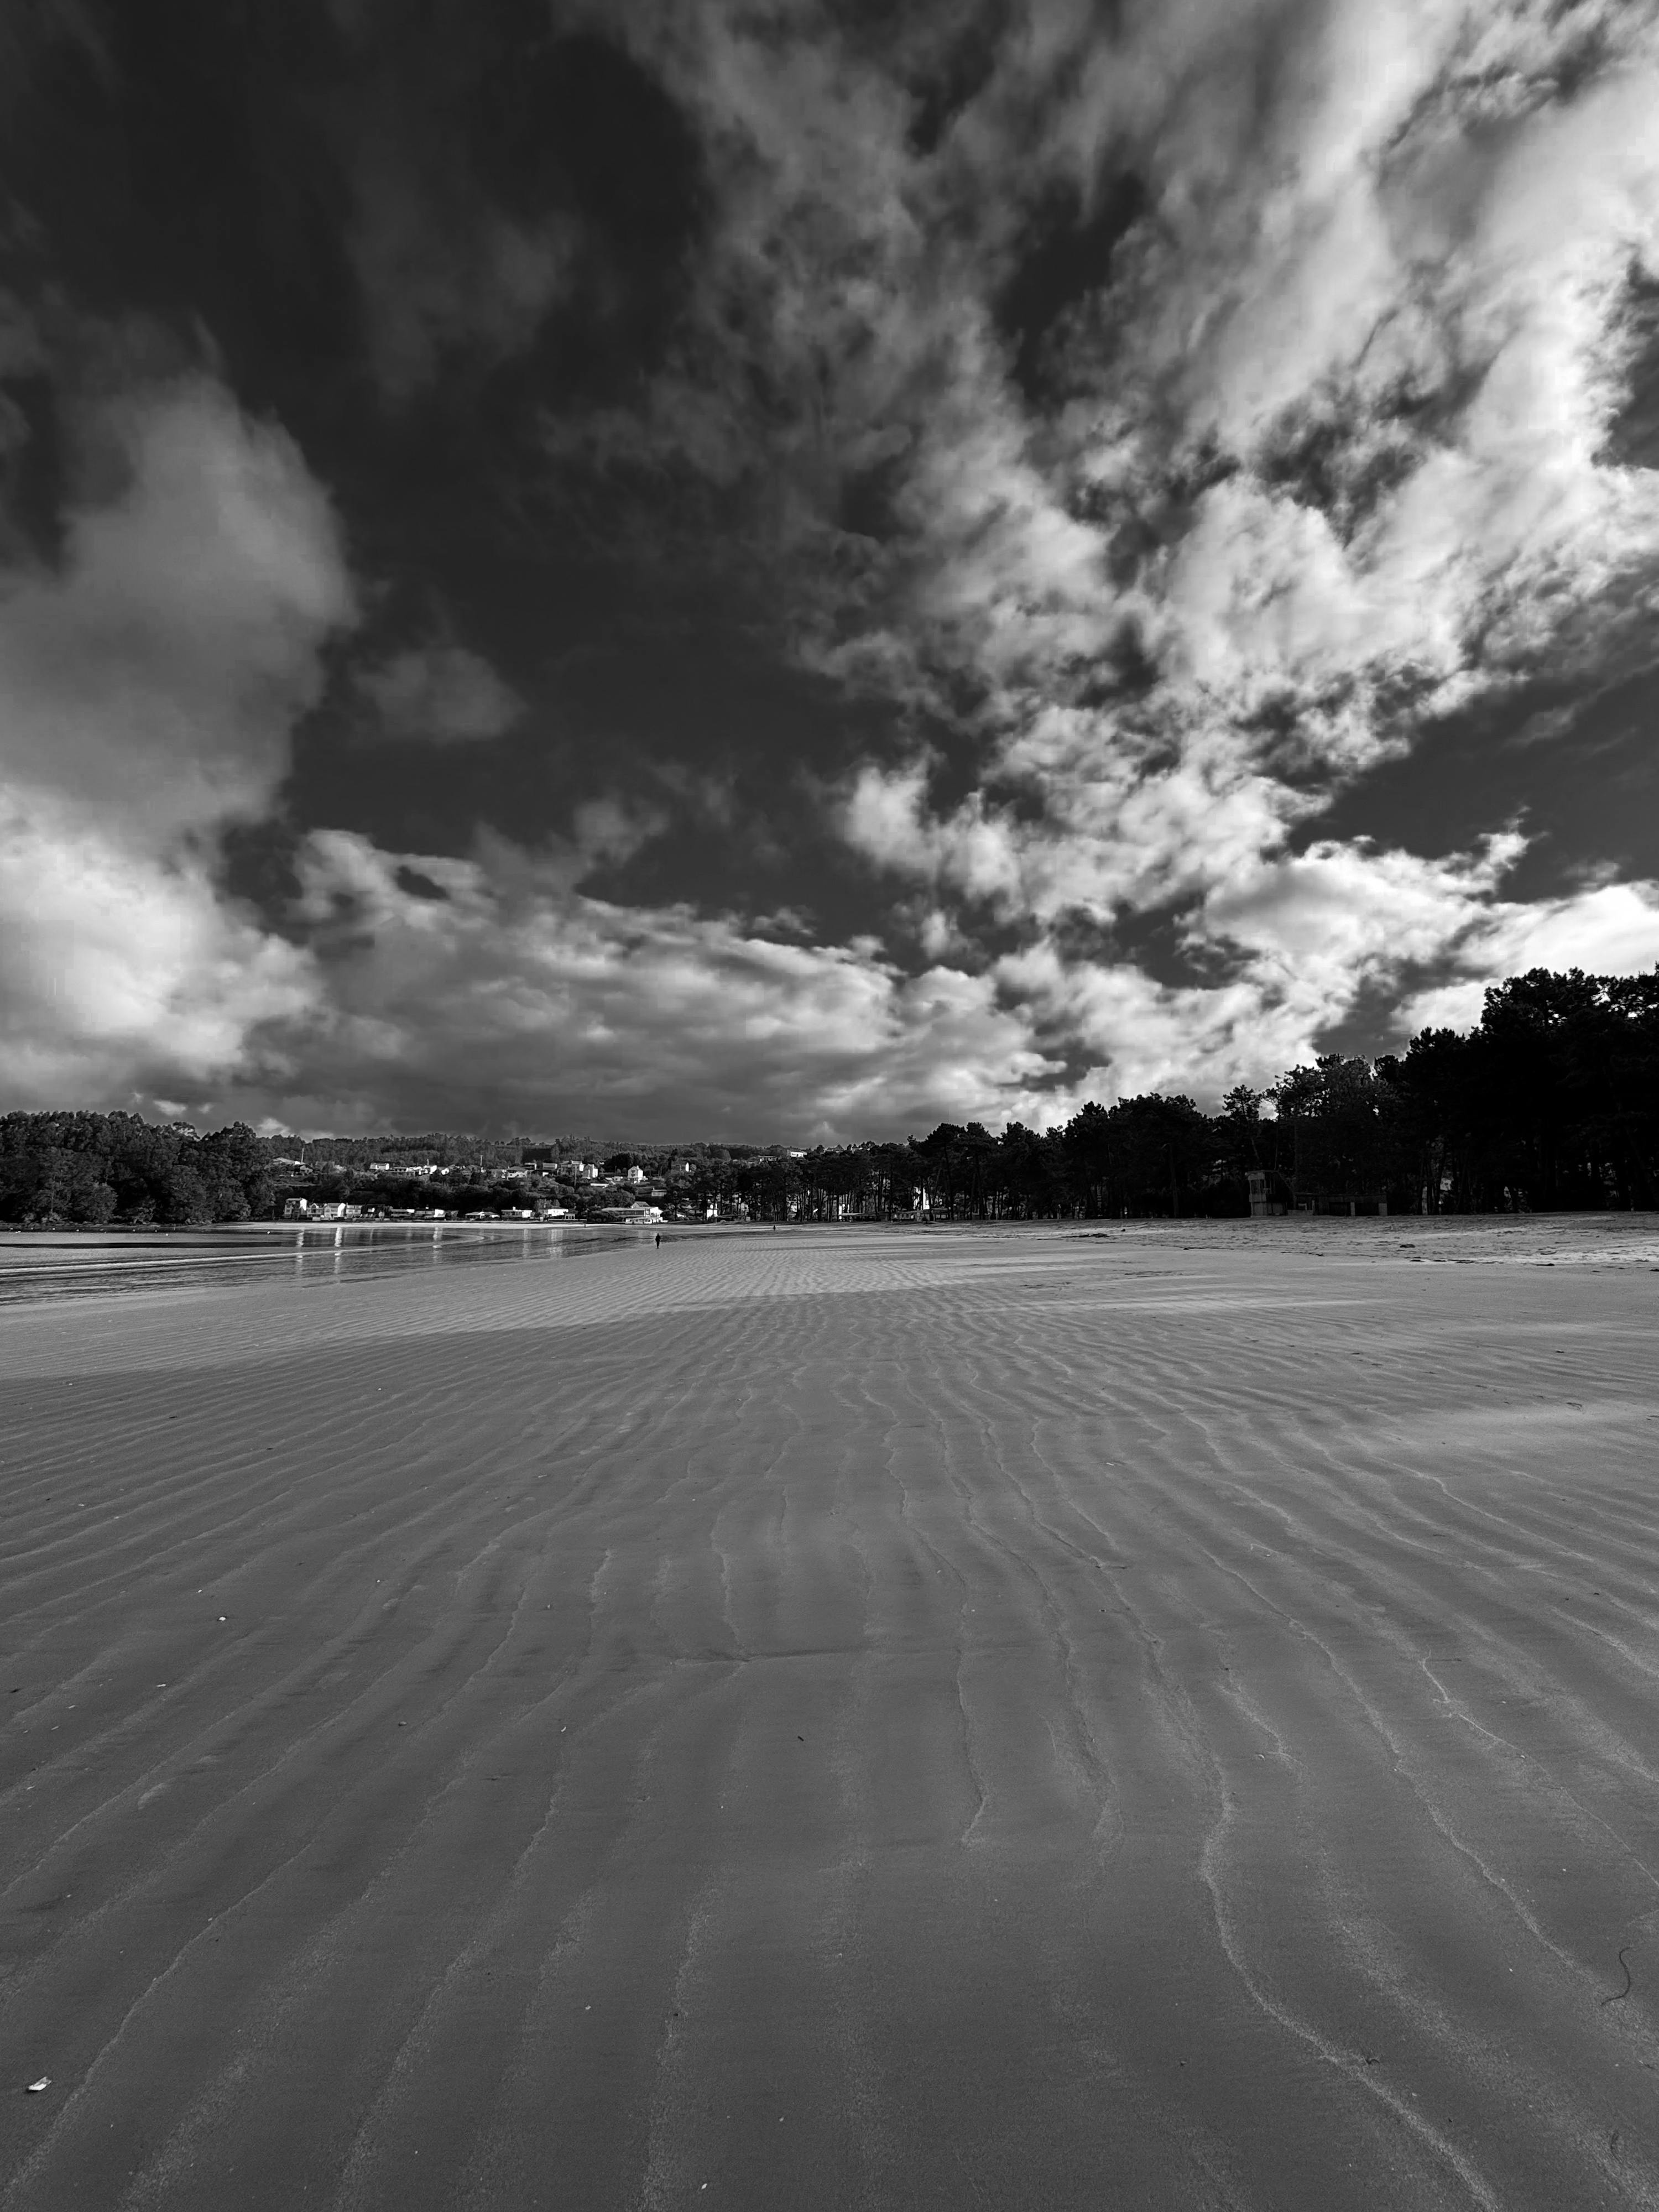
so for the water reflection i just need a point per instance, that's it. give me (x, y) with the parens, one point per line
(36, 1264)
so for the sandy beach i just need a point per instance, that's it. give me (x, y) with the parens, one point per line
(841, 1718)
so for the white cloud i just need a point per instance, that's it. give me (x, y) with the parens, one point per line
(1139, 1035)
(121, 973)
(1380, 238)
(1264, 599)
(1319, 924)
(1610, 930)
(1114, 834)
(1303, 934)
(148, 690)
(153, 682)
(515, 987)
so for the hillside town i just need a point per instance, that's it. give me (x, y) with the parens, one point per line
(544, 1183)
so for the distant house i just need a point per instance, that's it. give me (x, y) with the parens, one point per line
(321, 1209)
(638, 1216)
(635, 1174)
(546, 1157)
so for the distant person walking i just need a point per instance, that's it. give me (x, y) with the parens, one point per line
(658, 1240)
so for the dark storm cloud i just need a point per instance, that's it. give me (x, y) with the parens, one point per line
(1002, 546)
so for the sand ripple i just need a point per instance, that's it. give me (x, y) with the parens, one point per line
(848, 1720)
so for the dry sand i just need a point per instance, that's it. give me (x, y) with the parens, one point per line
(903, 1720)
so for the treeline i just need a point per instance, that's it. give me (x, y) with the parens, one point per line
(443, 1148)
(1551, 1103)
(93, 1168)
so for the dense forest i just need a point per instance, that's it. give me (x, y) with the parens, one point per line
(1551, 1103)
(96, 1167)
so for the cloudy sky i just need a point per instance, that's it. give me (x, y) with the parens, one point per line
(790, 568)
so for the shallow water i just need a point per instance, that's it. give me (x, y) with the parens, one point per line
(44, 1264)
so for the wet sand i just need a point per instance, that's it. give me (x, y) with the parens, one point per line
(838, 1719)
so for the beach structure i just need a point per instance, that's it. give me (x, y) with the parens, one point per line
(1261, 1204)
(1272, 1194)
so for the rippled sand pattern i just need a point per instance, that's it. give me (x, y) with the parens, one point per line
(836, 1720)
(1601, 1240)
